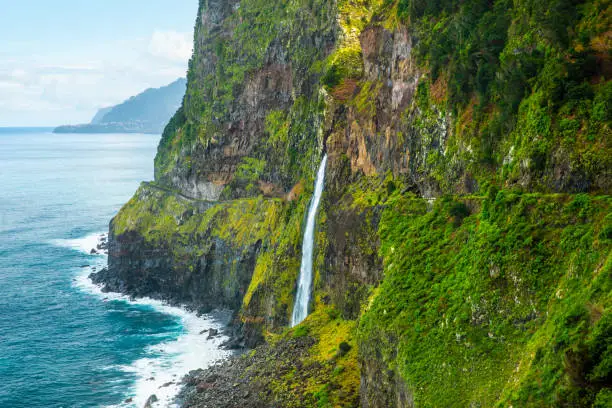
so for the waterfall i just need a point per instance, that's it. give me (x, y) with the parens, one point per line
(302, 299)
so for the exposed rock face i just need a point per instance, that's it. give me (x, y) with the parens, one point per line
(383, 135)
(351, 256)
(223, 122)
(207, 255)
(198, 189)
(197, 276)
(389, 64)
(382, 387)
(203, 287)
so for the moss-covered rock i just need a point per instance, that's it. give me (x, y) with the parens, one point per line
(199, 253)
(312, 365)
(253, 61)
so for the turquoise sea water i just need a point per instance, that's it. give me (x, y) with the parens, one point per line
(62, 342)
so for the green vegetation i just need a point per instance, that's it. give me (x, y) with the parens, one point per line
(345, 64)
(492, 301)
(160, 217)
(521, 71)
(214, 91)
(519, 92)
(164, 219)
(329, 371)
(269, 299)
(247, 174)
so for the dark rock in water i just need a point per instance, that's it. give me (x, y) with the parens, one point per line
(84, 266)
(212, 333)
(167, 384)
(108, 284)
(102, 244)
(152, 400)
(235, 343)
(93, 251)
(129, 400)
(234, 346)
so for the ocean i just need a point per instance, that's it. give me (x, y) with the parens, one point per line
(64, 343)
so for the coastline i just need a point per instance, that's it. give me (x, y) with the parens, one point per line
(162, 372)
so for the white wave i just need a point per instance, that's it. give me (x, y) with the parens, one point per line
(160, 372)
(84, 244)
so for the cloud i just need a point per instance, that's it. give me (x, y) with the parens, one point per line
(171, 45)
(65, 88)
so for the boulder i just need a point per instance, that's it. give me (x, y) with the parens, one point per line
(212, 333)
(152, 400)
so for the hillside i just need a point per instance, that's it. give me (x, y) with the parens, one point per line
(147, 112)
(463, 243)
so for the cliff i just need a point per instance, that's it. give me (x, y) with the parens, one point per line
(147, 112)
(463, 242)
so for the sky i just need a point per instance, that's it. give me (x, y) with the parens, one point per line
(62, 60)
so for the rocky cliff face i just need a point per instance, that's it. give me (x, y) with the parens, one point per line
(254, 65)
(149, 263)
(456, 264)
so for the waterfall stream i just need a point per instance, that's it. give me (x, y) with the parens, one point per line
(302, 299)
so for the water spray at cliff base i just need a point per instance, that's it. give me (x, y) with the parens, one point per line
(302, 298)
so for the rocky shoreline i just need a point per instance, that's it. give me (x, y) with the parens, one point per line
(111, 284)
(101, 247)
(205, 387)
(244, 380)
(219, 381)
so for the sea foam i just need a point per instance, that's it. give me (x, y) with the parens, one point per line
(85, 244)
(165, 364)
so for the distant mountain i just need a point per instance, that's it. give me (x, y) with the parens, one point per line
(148, 112)
(100, 115)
